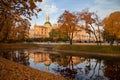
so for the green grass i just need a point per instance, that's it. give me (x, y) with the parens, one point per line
(90, 48)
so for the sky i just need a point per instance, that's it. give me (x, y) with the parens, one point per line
(56, 7)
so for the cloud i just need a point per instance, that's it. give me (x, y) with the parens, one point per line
(48, 5)
(105, 7)
(106, 1)
(53, 9)
(109, 3)
(102, 1)
(102, 13)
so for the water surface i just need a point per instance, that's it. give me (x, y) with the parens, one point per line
(69, 66)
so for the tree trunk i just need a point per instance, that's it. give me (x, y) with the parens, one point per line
(95, 34)
(89, 37)
(70, 41)
(111, 42)
(99, 37)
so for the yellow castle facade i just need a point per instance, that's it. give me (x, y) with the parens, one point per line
(42, 31)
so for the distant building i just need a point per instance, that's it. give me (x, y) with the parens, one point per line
(42, 31)
(83, 36)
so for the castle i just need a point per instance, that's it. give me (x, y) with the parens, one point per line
(44, 30)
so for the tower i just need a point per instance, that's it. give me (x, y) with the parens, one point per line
(47, 16)
(47, 23)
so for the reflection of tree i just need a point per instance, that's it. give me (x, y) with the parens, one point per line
(17, 56)
(96, 72)
(60, 59)
(69, 70)
(66, 67)
(112, 70)
(23, 57)
(66, 62)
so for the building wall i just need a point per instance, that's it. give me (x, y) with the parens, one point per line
(43, 32)
(39, 32)
(81, 35)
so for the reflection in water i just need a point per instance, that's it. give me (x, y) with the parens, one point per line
(112, 70)
(21, 57)
(41, 58)
(74, 67)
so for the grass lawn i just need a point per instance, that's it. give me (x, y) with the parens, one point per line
(90, 48)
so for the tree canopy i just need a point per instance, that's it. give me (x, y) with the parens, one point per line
(92, 20)
(27, 8)
(112, 24)
(68, 22)
(13, 12)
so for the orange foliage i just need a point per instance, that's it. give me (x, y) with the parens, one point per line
(68, 22)
(112, 24)
(10, 15)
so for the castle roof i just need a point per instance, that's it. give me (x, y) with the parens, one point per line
(47, 22)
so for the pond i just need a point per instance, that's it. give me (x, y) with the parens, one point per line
(70, 66)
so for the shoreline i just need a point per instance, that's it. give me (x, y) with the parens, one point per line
(97, 54)
(30, 46)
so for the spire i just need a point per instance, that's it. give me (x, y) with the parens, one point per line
(47, 18)
(47, 14)
(47, 23)
(35, 24)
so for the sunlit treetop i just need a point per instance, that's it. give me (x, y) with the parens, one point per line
(112, 24)
(26, 8)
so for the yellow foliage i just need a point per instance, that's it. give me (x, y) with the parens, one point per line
(112, 24)
(68, 22)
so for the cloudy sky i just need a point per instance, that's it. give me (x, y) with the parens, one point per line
(56, 7)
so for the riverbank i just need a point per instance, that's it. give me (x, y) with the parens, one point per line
(103, 50)
(91, 48)
(17, 46)
(14, 71)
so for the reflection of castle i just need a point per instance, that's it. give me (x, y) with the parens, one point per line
(41, 57)
(46, 59)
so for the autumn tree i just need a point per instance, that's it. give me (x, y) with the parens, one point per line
(112, 26)
(63, 35)
(57, 34)
(89, 32)
(68, 22)
(54, 34)
(91, 19)
(11, 9)
(98, 23)
(20, 31)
